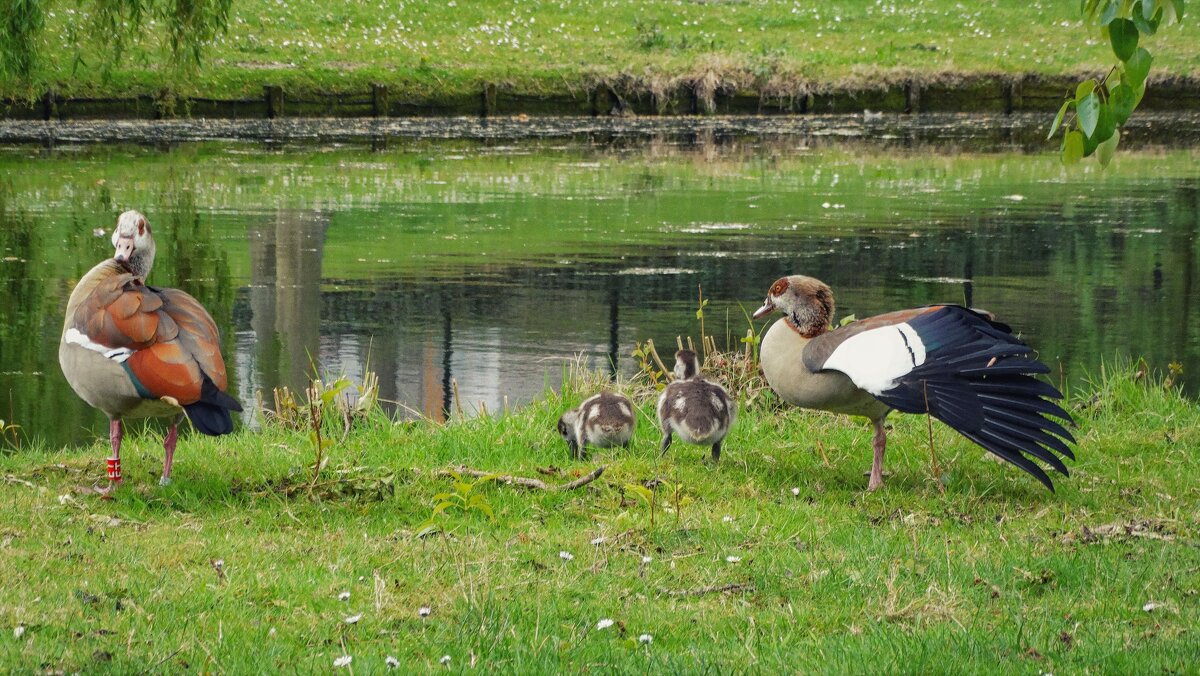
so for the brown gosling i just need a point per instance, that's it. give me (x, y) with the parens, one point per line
(698, 410)
(603, 420)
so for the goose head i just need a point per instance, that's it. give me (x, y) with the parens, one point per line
(687, 366)
(806, 303)
(133, 245)
(566, 427)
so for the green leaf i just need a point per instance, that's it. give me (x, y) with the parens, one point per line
(641, 491)
(1137, 67)
(1106, 124)
(1106, 150)
(1088, 112)
(1054, 127)
(1147, 24)
(1123, 102)
(1124, 37)
(1072, 150)
(1086, 87)
(442, 506)
(1147, 7)
(1172, 11)
(1109, 13)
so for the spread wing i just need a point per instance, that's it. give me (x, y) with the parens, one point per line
(961, 367)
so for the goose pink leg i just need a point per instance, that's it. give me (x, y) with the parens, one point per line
(169, 447)
(879, 445)
(115, 431)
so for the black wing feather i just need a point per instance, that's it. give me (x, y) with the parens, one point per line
(978, 378)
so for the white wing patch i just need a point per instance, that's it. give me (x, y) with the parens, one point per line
(876, 359)
(117, 354)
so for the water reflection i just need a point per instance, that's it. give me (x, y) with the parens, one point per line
(286, 255)
(465, 275)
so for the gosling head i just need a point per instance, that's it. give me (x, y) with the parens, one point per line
(566, 428)
(133, 245)
(687, 366)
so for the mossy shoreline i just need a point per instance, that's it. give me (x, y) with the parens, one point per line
(940, 93)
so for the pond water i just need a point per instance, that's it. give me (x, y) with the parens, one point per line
(476, 270)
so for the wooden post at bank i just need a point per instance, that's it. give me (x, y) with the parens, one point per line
(49, 109)
(489, 100)
(379, 100)
(912, 97)
(273, 98)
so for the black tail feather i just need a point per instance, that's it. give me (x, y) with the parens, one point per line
(210, 415)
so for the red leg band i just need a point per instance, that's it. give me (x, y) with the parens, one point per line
(114, 470)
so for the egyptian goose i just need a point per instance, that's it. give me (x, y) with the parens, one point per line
(602, 421)
(137, 351)
(955, 363)
(698, 410)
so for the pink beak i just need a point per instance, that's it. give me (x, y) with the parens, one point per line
(124, 249)
(767, 308)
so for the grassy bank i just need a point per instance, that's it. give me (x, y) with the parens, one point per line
(778, 559)
(445, 51)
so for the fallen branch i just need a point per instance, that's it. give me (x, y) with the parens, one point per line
(732, 587)
(583, 480)
(525, 482)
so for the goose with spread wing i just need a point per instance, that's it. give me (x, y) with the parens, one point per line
(955, 363)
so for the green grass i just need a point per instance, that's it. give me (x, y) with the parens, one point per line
(996, 574)
(435, 49)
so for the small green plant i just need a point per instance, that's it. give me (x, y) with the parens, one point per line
(649, 35)
(1174, 374)
(463, 498)
(321, 399)
(9, 433)
(649, 497)
(322, 402)
(650, 365)
(736, 367)
(672, 493)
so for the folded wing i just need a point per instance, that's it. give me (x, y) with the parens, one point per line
(167, 342)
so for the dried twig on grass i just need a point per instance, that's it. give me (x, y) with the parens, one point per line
(583, 480)
(525, 482)
(732, 587)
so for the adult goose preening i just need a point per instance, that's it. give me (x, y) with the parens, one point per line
(136, 351)
(957, 364)
(698, 410)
